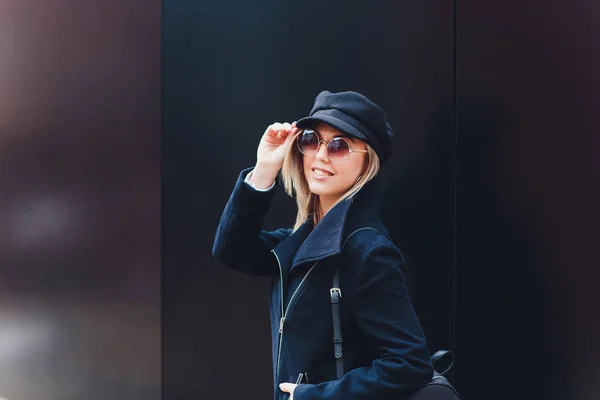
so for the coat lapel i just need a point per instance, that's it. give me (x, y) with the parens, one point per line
(287, 248)
(325, 240)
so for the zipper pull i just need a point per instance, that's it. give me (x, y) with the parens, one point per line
(281, 324)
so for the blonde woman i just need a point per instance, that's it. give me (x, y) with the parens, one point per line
(338, 256)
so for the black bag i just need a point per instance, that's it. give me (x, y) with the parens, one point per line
(438, 389)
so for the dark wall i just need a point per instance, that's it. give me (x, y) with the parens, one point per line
(527, 196)
(491, 193)
(232, 68)
(80, 199)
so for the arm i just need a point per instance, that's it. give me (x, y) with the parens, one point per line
(390, 328)
(240, 243)
(248, 180)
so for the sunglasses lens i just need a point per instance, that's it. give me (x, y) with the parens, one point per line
(308, 141)
(338, 150)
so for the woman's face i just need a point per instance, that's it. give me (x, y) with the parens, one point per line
(331, 180)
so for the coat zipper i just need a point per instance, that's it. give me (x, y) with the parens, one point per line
(284, 313)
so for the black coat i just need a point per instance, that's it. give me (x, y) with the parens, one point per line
(385, 351)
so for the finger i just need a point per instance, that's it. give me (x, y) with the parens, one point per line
(287, 126)
(276, 131)
(278, 126)
(287, 387)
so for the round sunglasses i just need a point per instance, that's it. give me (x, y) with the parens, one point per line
(338, 148)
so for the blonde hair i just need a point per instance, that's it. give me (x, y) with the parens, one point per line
(295, 184)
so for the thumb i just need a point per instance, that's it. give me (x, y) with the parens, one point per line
(291, 136)
(289, 141)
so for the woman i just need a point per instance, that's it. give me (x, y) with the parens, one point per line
(329, 161)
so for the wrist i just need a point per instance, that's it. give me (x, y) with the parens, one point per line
(262, 177)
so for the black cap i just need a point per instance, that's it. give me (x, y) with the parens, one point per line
(355, 115)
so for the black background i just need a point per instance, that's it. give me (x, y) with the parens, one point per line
(491, 190)
(230, 70)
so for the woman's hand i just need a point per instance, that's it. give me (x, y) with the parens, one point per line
(288, 388)
(274, 144)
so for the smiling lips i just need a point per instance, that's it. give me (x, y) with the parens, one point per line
(319, 173)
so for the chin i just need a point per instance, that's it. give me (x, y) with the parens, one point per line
(319, 190)
(323, 190)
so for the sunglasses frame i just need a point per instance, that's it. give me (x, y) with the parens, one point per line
(350, 149)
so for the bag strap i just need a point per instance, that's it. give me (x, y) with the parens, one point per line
(336, 293)
(439, 354)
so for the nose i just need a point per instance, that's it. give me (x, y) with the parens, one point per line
(322, 152)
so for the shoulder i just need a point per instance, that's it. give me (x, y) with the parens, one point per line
(367, 242)
(374, 263)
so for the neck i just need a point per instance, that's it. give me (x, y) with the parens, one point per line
(325, 204)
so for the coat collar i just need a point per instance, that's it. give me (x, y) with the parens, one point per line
(326, 239)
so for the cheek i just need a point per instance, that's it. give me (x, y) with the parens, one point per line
(352, 170)
(307, 161)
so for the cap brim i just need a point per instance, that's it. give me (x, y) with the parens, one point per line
(337, 123)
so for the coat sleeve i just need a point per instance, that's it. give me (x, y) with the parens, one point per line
(391, 331)
(240, 243)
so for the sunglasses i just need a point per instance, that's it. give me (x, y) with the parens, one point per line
(338, 148)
